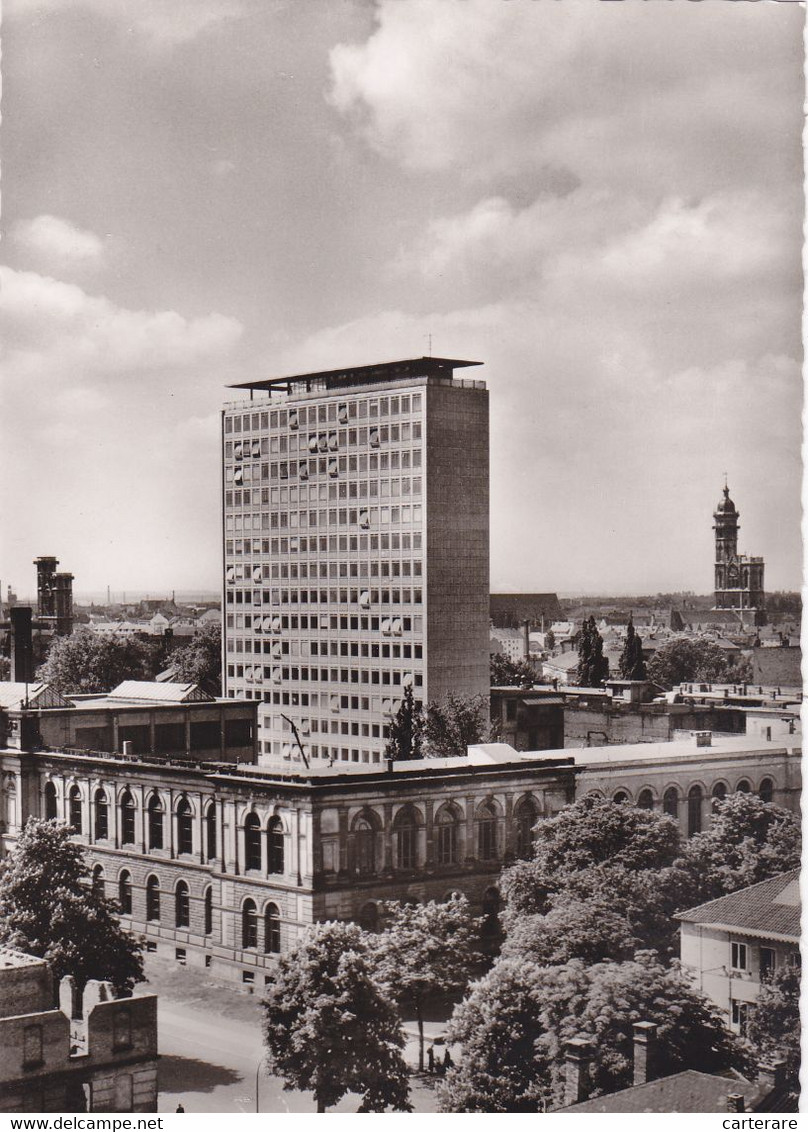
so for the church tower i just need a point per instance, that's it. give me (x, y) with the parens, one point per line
(738, 579)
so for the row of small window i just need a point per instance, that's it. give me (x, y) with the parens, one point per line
(332, 754)
(384, 541)
(741, 953)
(257, 673)
(364, 518)
(313, 726)
(324, 441)
(298, 416)
(303, 571)
(375, 704)
(386, 488)
(324, 622)
(277, 597)
(449, 837)
(297, 649)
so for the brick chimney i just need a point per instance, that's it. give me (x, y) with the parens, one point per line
(577, 1070)
(645, 1038)
(22, 656)
(735, 1102)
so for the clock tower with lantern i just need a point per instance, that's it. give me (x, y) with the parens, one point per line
(738, 578)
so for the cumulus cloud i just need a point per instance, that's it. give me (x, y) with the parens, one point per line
(58, 242)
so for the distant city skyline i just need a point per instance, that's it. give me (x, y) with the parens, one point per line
(601, 203)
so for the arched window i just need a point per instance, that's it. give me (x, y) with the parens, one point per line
(101, 815)
(526, 816)
(125, 893)
(75, 809)
(620, 797)
(249, 924)
(272, 930)
(208, 911)
(670, 802)
(487, 832)
(152, 898)
(364, 846)
(369, 917)
(182, 905)
(127, 819)
(155, 822)
(185, 827)
(406, 830)
(98, 882)
(446, 826)
(766, 791)
(744, 787)
(50, 801)
(694, 799)
(210, 831)
(718, 793)
(275, 845)
(645, 800)
(252, 842)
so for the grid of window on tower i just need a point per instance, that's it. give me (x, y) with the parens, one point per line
(324, 567)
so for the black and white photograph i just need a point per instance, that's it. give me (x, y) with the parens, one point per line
(400, 575)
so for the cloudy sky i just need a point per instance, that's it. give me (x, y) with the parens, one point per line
(600, 201)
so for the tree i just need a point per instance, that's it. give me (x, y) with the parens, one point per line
(507, 673)
(589, 832)
(200, 661)
(774, 1025)
(516, 1021)
(93, 662)
(749, 840)
(574, 928)
(593, 667)
(549, 640)
(49, 908)
(454, 724)
(632, 665)
(426, 950)
(406, 727)
(328, 1026)
(685, 659)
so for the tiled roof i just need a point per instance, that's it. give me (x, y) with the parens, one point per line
(689, 1091)
(771, 907)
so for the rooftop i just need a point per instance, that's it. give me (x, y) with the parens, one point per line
(689, 1091)
(153, 691)
(770, 908)
(359, 375)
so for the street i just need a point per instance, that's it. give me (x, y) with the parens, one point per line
(209, 1058)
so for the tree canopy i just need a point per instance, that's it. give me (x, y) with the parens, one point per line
(406, 728)
(200, 660)
(49, 908)
(694, 659)
(426, 950)
(515, 1023)
(774, 1023)
(749, 840)
(632, 665)
(453, 724)
(330, 1028)
(593, 667)
(507, 673)
(94, 662)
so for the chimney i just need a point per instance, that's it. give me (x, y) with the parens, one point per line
(771, 1075)
(645, 1034)
(736, 1102)
(577, 1070)
(527, 640)
(22, 648)
(703, 738)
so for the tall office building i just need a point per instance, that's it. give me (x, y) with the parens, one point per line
(355, 551)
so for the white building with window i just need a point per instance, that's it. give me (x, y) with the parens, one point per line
(355, 513)
(731, 944)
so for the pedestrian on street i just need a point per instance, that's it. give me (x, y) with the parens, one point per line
(447, 1061)
(430, 1059)
(180, 1108)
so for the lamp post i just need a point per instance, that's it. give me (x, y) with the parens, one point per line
(257, 1083)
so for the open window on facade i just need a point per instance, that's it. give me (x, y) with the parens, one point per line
(272, 930)
(446, 827)
(127, 818)
(249, 925)
(487, 832)
(75, 809)
(51, 809)
(275, 846)
(252, 842)
(406, 834)
(182, 905)
(526, 816)
(185, 827)
(155, 822)
(125, 892)
(153, 899)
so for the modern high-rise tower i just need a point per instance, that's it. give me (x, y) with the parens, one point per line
(738, 578)
(355, 506)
